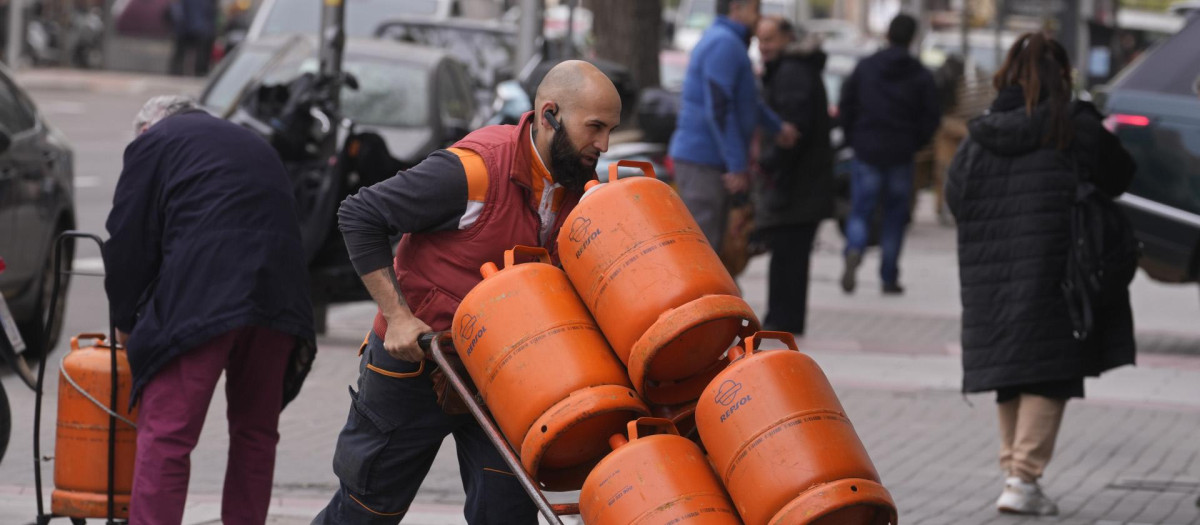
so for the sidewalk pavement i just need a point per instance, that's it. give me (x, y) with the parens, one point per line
(1128, 454)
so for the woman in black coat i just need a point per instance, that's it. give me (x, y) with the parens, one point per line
(1011, 188)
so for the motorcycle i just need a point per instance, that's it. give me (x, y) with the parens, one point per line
(78, 43)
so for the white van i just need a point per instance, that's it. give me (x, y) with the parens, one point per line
(275, 17)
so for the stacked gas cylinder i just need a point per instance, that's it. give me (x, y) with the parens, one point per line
(572, 363)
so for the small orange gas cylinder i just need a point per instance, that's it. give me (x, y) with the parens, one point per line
(542, 366)
(653, 479)
(659, 292)
(81, 440)
(783, 445)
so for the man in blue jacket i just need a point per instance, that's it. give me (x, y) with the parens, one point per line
(205, 274)
(889, 110)
(719, 110)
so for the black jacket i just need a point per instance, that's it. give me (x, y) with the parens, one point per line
(203, 238)
(797, 183)
(1011, 195)
(889, 108)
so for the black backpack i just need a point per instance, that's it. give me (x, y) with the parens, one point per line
(1102, 259)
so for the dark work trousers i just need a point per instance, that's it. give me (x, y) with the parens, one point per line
(199, 48)
(787, 298)
(392, 434)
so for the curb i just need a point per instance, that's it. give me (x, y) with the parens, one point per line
(53, 79)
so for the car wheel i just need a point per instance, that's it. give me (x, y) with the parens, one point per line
(34, 330)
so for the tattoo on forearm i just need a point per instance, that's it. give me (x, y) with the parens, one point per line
(391, 274)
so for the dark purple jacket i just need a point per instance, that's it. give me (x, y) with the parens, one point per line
(203, 238)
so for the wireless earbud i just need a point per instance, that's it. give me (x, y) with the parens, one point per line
(554, 123)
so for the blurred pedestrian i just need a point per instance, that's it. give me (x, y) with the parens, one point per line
(461, 207)
(1011, 188)
(205, 273)
(194, 23)
(795, 190)
(889, 110)
(719, 111)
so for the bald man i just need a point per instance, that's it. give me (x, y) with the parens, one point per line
(461, 207)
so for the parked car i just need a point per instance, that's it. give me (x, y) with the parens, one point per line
(417, 98)
(1154, 108)
(285, 17)
(487, 47)
(37, 202)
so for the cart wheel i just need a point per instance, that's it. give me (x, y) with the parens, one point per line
(5, 421)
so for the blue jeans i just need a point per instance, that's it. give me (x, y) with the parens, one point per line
(867, 184)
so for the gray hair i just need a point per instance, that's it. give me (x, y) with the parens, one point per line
(159, 108)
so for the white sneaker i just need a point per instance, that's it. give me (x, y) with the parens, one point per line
(1020, 497)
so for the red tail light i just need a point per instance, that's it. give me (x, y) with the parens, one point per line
(1113, 121)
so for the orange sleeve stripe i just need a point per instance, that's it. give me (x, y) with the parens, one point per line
(477, 175)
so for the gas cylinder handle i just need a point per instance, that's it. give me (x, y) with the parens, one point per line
(614, 168)
(99, 337)
(751, 343)
(652, 422)
(533, 251)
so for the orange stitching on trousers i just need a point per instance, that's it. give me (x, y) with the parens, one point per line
(373, 511)
(398, 375)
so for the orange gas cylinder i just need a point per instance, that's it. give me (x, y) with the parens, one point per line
(653, 479)
(81, 440)
(656, 287)
(783, 445)
(542, 366)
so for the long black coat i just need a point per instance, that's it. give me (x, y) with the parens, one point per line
(203, 238)
(797, 183)
(1011, 196)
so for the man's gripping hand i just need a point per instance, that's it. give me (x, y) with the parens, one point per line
(401, 338)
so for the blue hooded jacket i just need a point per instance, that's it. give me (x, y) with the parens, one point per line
(720, 106)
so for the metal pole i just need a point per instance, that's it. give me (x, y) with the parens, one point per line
(999, 23)
(569, 43)
(529, 30)
(15, 33)
(964, 39)
(109, 32)
(433, 343)
(333, 41)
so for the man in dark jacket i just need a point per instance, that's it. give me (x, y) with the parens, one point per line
(205, 273)
(795, 192)
(889, 110)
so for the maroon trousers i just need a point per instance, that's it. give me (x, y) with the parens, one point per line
(171, 413)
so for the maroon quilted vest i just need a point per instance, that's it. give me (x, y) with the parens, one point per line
(436, 270)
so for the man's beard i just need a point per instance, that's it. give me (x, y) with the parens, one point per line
(566, 163)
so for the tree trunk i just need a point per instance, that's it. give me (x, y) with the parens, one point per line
(628, 32)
